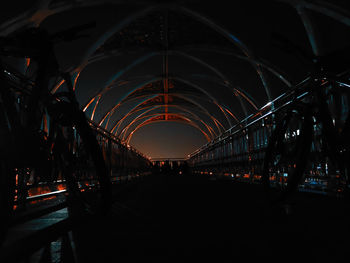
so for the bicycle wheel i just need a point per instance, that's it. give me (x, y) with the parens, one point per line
(83, 166)
(286, 154)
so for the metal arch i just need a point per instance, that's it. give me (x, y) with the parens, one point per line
(217, 124)
(192, 116)
(310, 27)
(187, 99)
(137, 109)
(233, 39)
(199, 97)
(161, 114)
(210, 129)
(322, 7)
(140, 86)
(119, 122)
(184, 10)
(262, 62)
(149, 121)
(176, 95)
(110, 81)
(199, 17)
(147, 56)
(41, 11)
(108, 84)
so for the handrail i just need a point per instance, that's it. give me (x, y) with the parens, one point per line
(265, 111)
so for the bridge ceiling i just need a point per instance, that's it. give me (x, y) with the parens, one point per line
(208, 65)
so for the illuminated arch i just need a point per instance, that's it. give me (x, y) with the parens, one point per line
(151, 108)
(118, 123)
(96, 98)
(154, 119)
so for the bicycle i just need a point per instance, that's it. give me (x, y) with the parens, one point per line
(310, 122)
(44, 133)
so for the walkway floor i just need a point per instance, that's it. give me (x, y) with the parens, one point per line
(180, 219)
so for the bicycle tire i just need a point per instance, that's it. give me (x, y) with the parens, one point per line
(302, 149)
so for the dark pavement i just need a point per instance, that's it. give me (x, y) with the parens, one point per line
(181, 219)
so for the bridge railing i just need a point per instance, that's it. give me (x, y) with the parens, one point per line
(124, 162)
(239, 152)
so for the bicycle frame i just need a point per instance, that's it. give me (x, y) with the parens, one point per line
(309, 104)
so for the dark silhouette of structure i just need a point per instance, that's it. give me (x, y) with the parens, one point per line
(263, 85)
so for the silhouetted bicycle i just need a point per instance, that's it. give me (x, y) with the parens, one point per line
(45, 136)
(313, 118)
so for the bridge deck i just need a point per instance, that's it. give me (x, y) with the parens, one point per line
(173, 219)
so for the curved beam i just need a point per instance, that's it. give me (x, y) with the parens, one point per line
(262, 62)
(183, 97)
(135, 108)
(311, 30)
(149, 121)
(140, 86)
(195, 116)
(321, 7)
(233, 39)
(111, 80)
(214, 120)
(41, 11)
(325, 8)
(236, 90)
(160, 114)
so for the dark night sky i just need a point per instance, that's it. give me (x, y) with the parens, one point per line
(253, 22)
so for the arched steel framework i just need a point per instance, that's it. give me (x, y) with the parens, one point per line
(222, 108)
(216, 122)
(189, 114)
(141, 86)
(225, 80)
(154, 119)
(118, 123)
(44, 9)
